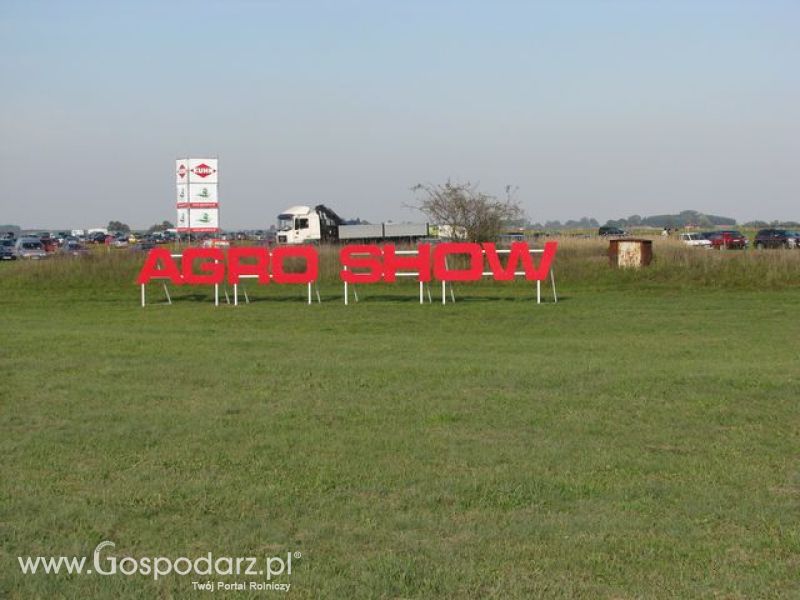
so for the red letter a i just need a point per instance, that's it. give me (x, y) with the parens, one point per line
(150, 270)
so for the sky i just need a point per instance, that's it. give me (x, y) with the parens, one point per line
(597, 108)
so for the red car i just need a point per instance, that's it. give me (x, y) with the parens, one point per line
(727, 239)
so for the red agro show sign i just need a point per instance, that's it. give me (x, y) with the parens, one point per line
(361, 263)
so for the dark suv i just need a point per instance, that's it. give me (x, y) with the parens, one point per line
(776, 238)
(605, 231)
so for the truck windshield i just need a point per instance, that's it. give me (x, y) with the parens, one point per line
(285, 222)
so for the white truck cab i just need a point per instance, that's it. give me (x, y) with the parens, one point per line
(299, 225)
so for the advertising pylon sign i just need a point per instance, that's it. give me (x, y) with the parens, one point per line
(196, 195)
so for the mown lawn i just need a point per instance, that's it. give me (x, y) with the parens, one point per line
(620, 444)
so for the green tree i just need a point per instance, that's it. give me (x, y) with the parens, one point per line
(118, 226)
(162, 227)
(634, 220)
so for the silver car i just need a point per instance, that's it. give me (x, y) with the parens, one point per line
(29, 248)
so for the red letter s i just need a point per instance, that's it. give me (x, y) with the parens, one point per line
(371, 262)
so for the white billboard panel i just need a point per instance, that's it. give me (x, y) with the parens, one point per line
(203, 170)
(204, 219)
(203, 194)
(181, 171)
(181, 194)
(183, 219)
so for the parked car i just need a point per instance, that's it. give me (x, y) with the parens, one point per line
(143, 245)
(120, 242)
(776, 238)
(7, 250)
(695, 239)
(49, 244)
(30, 248)
(157, 237)
(606, 231)
(726, 239)
(71, 248)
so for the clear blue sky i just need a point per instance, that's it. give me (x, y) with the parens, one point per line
(592, 108)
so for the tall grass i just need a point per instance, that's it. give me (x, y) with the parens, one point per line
(99, 268)
(676, 264)
(578, 262)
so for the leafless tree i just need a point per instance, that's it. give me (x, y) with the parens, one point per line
(468, 213)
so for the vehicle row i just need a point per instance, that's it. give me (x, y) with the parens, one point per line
(34, 248)
(733, 239)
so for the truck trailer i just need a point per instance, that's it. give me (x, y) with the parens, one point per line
(304, 224)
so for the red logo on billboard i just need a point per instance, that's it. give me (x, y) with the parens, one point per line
(182, 171)
(203, 170)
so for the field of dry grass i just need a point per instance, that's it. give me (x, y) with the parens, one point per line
(580, 262)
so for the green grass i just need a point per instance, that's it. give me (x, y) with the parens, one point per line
(639, 439)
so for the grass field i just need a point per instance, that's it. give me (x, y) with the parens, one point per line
(637, 440)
